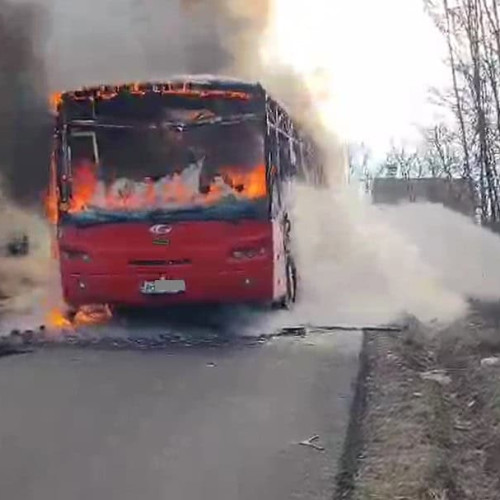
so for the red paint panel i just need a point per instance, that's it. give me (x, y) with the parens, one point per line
(108, 263)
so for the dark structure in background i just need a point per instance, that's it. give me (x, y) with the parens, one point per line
(452, 193)
(25, 124)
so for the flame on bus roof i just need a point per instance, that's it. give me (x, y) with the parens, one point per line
(203, 86)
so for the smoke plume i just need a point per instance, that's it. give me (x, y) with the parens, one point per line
(24, 124)
(464, 255)
(134, 40)
(24, 281)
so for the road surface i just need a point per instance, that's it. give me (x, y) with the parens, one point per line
(196, 423)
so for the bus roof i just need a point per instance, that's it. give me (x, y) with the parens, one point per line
(202, 85)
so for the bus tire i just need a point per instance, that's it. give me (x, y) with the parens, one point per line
(292, 280)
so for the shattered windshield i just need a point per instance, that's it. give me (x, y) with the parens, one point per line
(128, 171)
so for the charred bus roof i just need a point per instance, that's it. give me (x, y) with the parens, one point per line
(195, 85)
(146, 100)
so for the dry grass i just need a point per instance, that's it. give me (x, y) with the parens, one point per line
(404, 435)
(424, 440)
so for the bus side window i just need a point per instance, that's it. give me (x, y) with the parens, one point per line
(275, 182)
(293, 155)
(288, 154)
(82, 149)
(287, 158)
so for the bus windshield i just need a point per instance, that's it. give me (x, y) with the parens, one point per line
(126, 172)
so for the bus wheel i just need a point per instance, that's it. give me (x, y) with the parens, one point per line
(291, 281)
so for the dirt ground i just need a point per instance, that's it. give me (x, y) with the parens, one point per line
(426, 423)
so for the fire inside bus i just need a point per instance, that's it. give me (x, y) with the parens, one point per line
(176, 192)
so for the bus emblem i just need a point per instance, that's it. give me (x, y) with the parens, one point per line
(160, 229)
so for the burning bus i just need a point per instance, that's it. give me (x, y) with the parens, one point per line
(176, 192)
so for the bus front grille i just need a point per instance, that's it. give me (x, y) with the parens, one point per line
(155, 263)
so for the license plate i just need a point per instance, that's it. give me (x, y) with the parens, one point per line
(163, 286)
(161, 241)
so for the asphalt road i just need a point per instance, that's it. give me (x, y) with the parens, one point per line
(196, 423)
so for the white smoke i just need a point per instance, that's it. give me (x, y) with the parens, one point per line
(465, 256)
(25, 280)
(363, 265)
(359, 268)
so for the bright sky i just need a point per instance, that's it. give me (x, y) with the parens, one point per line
(381, 56)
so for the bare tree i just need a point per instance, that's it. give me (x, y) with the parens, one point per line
(403, 163)
(471, 29)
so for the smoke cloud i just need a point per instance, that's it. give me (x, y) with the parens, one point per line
(150, 39)
(24, 123)
(52, 45)
(24, 281)
(360, 267)
(134, 40)
(464, 255)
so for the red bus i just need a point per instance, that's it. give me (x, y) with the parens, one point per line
(176, 192)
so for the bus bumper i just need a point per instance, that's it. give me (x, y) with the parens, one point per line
(221, 287)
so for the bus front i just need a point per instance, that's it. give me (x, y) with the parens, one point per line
(163, 199)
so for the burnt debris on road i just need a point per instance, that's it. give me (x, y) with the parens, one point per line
(21, 341)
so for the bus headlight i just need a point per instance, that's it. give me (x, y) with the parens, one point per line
(248, 253)
(75, 255)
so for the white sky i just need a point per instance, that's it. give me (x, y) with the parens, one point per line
(381, 55)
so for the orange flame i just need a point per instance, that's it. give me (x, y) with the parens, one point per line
(85, 316)
(55, 99)
(57, 319)
(51, 198)
(253, 182)
(92, 315)
(84, 187)
(244, 184)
